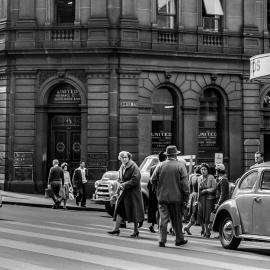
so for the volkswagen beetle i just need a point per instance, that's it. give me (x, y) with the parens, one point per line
(246, 214)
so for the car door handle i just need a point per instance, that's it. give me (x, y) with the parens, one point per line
(258, 199)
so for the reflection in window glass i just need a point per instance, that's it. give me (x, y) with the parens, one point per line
(249, 181)
(211, 117)
(162, 120)
(166, 14)
(266, 180)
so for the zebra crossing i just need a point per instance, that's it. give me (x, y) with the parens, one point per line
(55, 245)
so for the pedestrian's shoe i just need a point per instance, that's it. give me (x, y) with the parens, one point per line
(181, 243)
(135, 235)
(151, 229)
(114, 232)
(83, 205)
(140, 224)
(161, 244)
(186, 229)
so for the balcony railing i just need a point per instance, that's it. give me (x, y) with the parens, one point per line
(215, 40)
(62, 34)
(168, 37)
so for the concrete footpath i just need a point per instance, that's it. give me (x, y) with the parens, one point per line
(38, 200)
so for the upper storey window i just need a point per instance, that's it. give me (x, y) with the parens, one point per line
(65, 11)
(166, 15)
(212, 13)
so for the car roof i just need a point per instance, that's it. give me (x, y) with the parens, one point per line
(264, 164)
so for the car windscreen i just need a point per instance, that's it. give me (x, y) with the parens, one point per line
(147, 164)
(110, 176)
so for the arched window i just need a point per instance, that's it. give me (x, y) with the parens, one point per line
(163, 120)
(211, 124)
(65, 11)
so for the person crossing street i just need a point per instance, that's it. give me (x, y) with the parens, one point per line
(171, 179)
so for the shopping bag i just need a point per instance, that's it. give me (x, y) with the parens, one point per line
(71, 196)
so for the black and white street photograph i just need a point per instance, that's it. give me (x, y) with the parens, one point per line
(134, 134)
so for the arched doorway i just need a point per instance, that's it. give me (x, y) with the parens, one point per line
(163, 119)
(64, 125)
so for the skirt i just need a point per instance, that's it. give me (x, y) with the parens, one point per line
(65, 192)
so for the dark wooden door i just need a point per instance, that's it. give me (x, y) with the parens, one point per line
(65, 141)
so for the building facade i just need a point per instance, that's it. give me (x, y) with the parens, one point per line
(85, 79)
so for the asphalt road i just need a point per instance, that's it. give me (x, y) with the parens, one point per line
(42, 239)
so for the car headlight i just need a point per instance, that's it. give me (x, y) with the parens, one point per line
(96, 184)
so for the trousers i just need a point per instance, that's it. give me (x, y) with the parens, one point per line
(171, 212)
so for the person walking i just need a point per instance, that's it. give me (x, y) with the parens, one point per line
(55, 182)
(67, 185)
(79, 181)
(152, 213)
(129, 205)
(206, 199)
(171, 179)
(193, 198)
(223, 190)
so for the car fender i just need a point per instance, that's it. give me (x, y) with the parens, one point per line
(228, 207)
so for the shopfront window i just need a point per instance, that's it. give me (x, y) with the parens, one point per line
(166, 15)
(163, 130)
(65, 11)
(212, 13)
(211, 120)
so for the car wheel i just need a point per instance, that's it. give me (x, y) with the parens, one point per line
(109, 208)
(226, 235)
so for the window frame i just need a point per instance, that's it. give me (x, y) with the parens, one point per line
(245, 177)
(167, 15)
(58, 15)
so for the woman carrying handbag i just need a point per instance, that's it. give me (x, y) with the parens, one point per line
(67, 187)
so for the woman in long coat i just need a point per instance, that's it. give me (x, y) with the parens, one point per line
(206, 199)
(129, 205)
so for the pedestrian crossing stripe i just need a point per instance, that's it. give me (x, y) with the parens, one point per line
(115, 248)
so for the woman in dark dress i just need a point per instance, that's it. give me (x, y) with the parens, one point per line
(153, 213)
(129, 205)
(206, 198)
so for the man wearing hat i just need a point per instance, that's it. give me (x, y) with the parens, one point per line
(170, 177)
(223, 193)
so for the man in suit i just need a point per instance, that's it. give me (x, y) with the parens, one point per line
(55, 182)
(80, 182)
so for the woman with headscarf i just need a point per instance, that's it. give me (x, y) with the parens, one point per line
(129, 205)
(206, 198)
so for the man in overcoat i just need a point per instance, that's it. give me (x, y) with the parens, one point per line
(171, 179)
(79, 181)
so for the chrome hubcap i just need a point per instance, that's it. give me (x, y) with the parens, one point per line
(227, 231)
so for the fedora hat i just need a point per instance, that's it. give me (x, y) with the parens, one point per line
(171, 150)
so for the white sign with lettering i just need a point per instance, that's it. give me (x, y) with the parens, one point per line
(260, 66)
(218, 158)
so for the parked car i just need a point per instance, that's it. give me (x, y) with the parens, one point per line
(246, 214)
(106, 187)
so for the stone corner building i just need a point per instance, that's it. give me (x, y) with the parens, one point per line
(84, 79)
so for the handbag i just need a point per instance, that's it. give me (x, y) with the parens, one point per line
(70, 196)
(48, 193)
